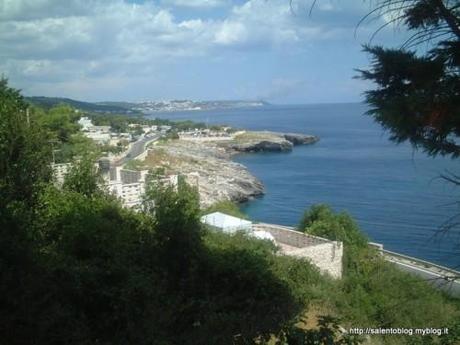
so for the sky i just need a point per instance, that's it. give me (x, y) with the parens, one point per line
(126, 50)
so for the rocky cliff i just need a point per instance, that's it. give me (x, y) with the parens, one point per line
(208, 164)
(300, 139)
(209, 167)
(267, 141)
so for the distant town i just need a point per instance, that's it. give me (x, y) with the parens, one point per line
(147, 106)
(187, 105)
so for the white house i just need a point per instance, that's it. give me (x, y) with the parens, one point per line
(85, 123)
(130, 193)
(226, 223)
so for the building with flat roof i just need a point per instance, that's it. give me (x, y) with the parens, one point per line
(226, 223)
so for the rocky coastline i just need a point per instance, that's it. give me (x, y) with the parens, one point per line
(268, 141)
(209, 166)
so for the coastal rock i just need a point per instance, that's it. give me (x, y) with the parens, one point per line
(208, 167)
(300, 139)
(268, 141)
(259, 142)
(263, 146)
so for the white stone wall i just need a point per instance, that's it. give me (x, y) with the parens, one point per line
(325, 254)
(327, 257)
(131, 194)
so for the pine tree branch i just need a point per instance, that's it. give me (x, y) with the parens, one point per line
(449, 17)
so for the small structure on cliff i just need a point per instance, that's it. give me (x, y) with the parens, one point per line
(325, 254)
(226, 223)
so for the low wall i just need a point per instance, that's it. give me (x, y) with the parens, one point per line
(288, 236)
(204, 139)
(143, 155)
(327, 257)
(324, 254)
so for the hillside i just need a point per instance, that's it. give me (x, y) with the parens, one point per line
(144, 107)
(49, 102)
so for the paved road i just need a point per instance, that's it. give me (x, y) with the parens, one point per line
(137, 148)
(441, 277)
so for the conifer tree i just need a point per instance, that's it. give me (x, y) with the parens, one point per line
(417, 94)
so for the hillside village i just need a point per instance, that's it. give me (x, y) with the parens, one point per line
(126, 184)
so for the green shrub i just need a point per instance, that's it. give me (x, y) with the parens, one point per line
(227, 207)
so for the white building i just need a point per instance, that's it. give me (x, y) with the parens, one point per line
(165, 128)
(85, 123)
(99, 137)
(226, 223)
(129, 185)
(130, 193)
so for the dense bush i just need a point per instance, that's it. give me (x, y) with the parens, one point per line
(373, 292)
(321, 221)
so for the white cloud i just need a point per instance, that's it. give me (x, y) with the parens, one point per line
(231, 32)
(132, 33)
(77, 40)
(196, 3)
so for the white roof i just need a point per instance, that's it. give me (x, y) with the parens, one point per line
(223, 221)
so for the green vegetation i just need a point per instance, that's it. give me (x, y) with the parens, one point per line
(51, 102)
(373, 292)
(248, 136)
(60, 120)
(227, 207)
(78, 268)
(135, 164)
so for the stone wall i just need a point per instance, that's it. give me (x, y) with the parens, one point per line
(325, 254)
(327, 257)
(289, 236)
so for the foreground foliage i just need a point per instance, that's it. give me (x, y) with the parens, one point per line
(418, 86)
(373, 292)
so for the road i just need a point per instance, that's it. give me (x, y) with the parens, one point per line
(441, 277)
(137, 148)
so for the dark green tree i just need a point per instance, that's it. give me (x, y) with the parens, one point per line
(417, 97)
(84, 178)
(25, 156)
(60, 121)
(175, 210)
(23, 144)
(321, 221)
(417, 94)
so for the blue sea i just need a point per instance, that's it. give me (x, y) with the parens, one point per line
(392, 191)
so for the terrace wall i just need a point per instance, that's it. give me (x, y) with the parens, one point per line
(325, 254)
